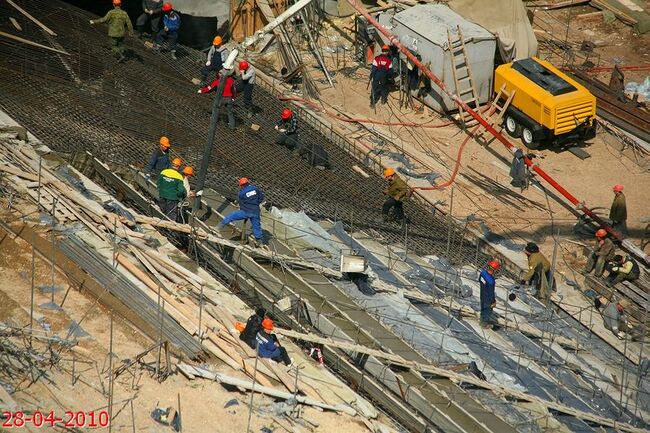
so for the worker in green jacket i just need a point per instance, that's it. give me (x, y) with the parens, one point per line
(171, 191)
(618, 211)
(539, 272)
(397, 191)
(118, 24)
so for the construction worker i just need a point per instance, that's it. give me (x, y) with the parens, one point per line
(268, 345)
(250, 199)
(539, 272)
(170, 192)
(253, 326)
(171, 26)
(159, 159)
(614, 317)
(397, 191)
(488, 295)
(187, 173)
(118, 25)
(288, 129)
(618, 211)
(382, 67)
(176, 164)
(622, 268)
(151, 11)
(216, 57)
(601, 254)
(246, 85)
(228, 96)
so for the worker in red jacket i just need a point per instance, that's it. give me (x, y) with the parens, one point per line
(227, 96)
(382, 67)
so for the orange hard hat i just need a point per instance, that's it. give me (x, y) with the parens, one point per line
(618, 188)
(217, 40)
(601, 233)
(243, 181)
(176, 162)
(164, 141)
(384, 47)
(494, 264)
(267, 324)
(243, 65)
(167, 7)
(240, 327)
(117, 2)
(389, 172)
(188, 171)
(287, 113)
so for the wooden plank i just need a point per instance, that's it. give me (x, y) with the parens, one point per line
(18, 172)
(32, 43)
(15, 24)
(34, 20)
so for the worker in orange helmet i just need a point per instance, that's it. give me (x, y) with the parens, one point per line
(601, 254)
(176, 164)
(187, 173)
(217, 56)
(159, 159)
(119, 24)
(251, 198)
(151, 11)
(246, 85)
(268, 345)
(287, 126)
(382, 68)
(488, 297)
(618, 211)
(171, 26)
(397, 191)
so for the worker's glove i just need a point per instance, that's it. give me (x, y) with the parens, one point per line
(92, 22)
(199, 193)
(276, 127)
(208, 63)
(614, 268)
(620, 335)
(199, 91)
(166, 29)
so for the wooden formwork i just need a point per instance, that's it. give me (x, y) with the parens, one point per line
(246, 17)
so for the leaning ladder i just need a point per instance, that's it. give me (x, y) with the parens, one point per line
(465, 88)
(497, 110)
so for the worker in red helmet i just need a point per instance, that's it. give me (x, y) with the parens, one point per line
(382, 68)
(601, 254)
(488, 297)
(288, 129)
(228, 95)
(251, 198)
(169, 32)
(268, 345)
(119, 24)
(618, 211)
(246, 85)
(151, 11)
(397, 192)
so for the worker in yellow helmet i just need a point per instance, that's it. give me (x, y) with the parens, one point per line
(118, 25)
(397, 191)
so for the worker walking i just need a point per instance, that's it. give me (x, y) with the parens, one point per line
(382, 67)
(171, 26)
(397, 191)
(119, 24)
(228, 96)
(287, 126)
(539, 272)
(216, 58)
(268, 345)
(246, 85)
(488, 295)
(622, 268)
(159, 159)
(170, 192)
(250, 199)
(601, 254)
(618, 211)
(151, 11)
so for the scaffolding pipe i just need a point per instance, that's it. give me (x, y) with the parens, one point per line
(496, 134)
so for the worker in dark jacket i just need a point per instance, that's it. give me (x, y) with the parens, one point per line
(601, 254)
(228, 96)
(618, 211)
(382, 67)
(216, 57)
(159, 159)
(488, 294)
(118, 25)
(151, 11)
(170, 192)
(171, 26)
(622, 269)
(253, 326)
(246, 85)
(397, 191)
(288, 129)
(268, 345)
(250, 199)
(539, 272)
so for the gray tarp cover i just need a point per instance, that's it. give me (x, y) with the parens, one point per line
(506, 19)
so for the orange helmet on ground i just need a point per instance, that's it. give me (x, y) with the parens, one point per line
(601, 233)
(176, 163)
(494, 265)
(267, 324)
(217, 41)
(164, 141)
(389, 172)
(243, 65)
(618, 188)
(167, 7)
(243, 181)
(287, 113)
(188, 171)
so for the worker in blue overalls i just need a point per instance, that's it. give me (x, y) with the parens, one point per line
(250, 199)
(488, 295)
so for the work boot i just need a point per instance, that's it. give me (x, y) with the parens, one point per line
(173, 53)
(252, 241)
(156, 47)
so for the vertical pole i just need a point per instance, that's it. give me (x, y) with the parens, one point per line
(620, 401)
(54, 200)
(551, 277)
(250, 404)
(638, 372)
(449, 217)
(40, 170)
(110, 377)
(180, 418)
(132, 417)
(31, 304)
(200, 313)
(115, 244)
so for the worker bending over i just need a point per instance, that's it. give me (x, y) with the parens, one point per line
(601, 254)
(151, 11)
(118, 25)
(246, 85)
(216, 58)
(618, 211)
(287, 126)
(614, 317)
(159, 159)
(397, 191)
(250, 199)
(622, 269)
(488, 295)
(228, 96)
(253, 325)
(171, 26)
(382, 67)
(268, 345)
(170, 192)
(539, 272)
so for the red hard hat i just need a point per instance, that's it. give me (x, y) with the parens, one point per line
(243, 65)
(267, 324)
(287, 113)
(601, 233)
(494, 265)
(167, 7)
(618, 188)
(243, 181)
